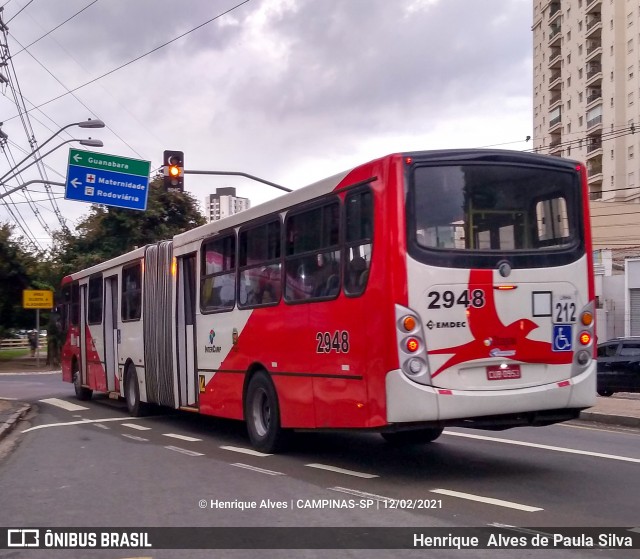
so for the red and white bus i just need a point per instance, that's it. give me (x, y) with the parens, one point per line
(413, 292)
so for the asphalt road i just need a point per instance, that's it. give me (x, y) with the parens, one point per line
(89, 464)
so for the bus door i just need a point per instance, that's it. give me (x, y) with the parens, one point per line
(186, 331)
(83, 335)
(111, 331)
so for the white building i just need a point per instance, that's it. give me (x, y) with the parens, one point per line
(224, 203)
(586, 88)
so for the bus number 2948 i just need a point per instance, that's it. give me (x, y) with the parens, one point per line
(328, 342)
(447, 299)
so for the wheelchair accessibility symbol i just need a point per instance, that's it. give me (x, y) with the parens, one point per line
(562, 337)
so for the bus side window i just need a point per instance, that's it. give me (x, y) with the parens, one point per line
(218, 279)
(359, 238)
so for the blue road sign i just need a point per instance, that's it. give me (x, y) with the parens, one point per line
(99, 178)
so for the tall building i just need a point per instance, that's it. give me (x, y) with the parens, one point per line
(586, 90)
(224, 203)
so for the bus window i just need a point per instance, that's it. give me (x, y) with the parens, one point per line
(312, 259)
(259, 264)
(94, 316)
(359, 236)
(217, 283)
(493, 207)
(132, 292)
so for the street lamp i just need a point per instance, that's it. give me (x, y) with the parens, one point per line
(88, 142)
(97, 123)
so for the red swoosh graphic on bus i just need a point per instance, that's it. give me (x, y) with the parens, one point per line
(484, 323)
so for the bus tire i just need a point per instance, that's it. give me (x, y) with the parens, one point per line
(135, 407)
(418, 436)
(262, 414)
(82, 392)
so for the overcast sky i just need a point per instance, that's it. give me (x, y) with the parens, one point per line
(288, 90)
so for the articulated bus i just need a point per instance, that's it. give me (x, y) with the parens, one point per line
(414, 292)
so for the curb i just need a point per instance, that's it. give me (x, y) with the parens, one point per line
(10, 423)
(610, 419)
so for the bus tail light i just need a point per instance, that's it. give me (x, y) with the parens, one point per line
(412, 349)
(584, 343)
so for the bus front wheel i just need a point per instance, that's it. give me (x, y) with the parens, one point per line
(418, 436)
(262, 414)
(82, 393)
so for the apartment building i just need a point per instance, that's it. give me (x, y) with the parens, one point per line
(586, 90)
(224, 203)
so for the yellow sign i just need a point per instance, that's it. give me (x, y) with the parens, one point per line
(33, 299)
(202, 383)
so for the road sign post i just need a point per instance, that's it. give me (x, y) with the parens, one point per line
(37, 299)
(99, 178)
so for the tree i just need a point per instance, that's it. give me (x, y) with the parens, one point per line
(108, 232)
(17, 265)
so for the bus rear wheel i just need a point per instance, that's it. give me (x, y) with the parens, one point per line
(418, 436)
(262, 414)
(82, 393)
(135, 407)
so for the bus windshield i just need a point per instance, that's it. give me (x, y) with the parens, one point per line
(490, 207)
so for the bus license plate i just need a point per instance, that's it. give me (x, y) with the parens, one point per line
(496, 372)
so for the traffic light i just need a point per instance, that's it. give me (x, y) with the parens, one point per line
(173, 171)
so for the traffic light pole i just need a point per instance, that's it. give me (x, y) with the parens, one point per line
(238, 174)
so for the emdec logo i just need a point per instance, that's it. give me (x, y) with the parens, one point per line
(212, 348)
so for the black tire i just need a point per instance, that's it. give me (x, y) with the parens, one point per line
(135, 407)
(82, 392)
(418, 436)
(605, 392)
(262, 414)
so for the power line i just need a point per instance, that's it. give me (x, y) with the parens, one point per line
(19, 11)
(139, 57)
(56, 27)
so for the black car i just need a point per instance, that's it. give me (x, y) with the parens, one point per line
(619, 366)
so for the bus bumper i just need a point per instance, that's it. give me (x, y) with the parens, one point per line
(409, 402)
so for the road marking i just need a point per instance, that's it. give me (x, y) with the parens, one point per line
(181, 437)
(135, 437)
(259, 470)
(101, 426)
(70, 423)
(31, 373)
(362, 494)
(249, 451)
(3, 398)
(521, 530)
(184, 451)
(545, 447)
(138, 427)
(63, 404)
(486, 500)
(341, 470)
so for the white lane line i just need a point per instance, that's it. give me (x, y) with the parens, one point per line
(181, 437)
(545, 447)
(32, 373)
(341, 470)
(138, 427)
(184, 451)
(102, 426)
(63, 404)
(135, 437)
(81, 422)
(486, 500)
(249, 451)
(3, 398)
(259, 470)
(362, 494)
